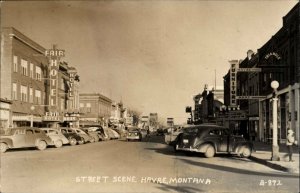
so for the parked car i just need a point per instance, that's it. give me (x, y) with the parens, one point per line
(161, 131)
(112, 134)
(71, 135)
(83, 134)
(171, 136)
(24, 137)
(58, 139)
(92, 134)
(134, 134)
(212, 139)
(100, 131)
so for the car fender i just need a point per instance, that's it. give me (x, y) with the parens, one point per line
(40, 139)
(202, 147)
(240, 145)
(9, 142)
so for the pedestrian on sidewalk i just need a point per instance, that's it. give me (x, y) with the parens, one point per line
(289, 143)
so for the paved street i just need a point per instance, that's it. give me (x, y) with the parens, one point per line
(120, 166)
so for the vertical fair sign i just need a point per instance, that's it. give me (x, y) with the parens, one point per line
(234, 65)
(54, 56)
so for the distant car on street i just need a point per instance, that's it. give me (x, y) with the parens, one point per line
(160, 131)
(58, 139)
(134, 133)
(24, 137)
(71, 135)
(211, 140)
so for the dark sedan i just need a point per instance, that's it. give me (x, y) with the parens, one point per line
(134, 134)
(212, 139)
(70, 134)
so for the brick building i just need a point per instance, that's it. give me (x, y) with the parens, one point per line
(94, 107)
(279, 59)
(25, 81)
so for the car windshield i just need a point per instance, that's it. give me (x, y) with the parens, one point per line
(133, 130)
(191, 130)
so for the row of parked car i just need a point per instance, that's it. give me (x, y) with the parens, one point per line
(23, 137)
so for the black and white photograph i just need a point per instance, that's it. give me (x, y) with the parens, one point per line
(149, 96)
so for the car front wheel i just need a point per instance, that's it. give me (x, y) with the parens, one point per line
(246, 152)
(81, 141)
(73, 141)
(4, 147)
(58, 143)
(210, 151)
(42, 145)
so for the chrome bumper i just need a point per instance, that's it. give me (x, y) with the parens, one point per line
(186, 149)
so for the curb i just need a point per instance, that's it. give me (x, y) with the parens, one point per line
(271, 165)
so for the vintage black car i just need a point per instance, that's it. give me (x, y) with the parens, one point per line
(71, 135)
(212, 139)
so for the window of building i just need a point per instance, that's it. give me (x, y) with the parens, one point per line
(31, 70)
(24, 65)
(88, 107)
(62, 104)
(38, 97)
(24, 93)
(14, 94)
(38, 73)
(15, 63)
(81, 105)
(30, 95)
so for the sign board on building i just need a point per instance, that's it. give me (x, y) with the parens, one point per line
(249, 70)
(250, 97)
(234, 65)
(145, 118)
(54, 56)
(71, 83)
(170, 121)
(52, 116)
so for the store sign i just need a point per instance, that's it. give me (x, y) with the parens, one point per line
(234, 65)
(250, 97)
(71, 117)
(54, 55)
(276, 55)
(71, 83)
(52, 116)
(170, 121)
(249, 70)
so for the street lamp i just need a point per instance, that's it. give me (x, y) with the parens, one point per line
(275, 147)
(31, 117)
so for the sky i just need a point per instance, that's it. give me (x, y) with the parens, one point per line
(154, 56)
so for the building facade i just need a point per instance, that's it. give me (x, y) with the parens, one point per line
(27, 81)
(94, 107)
(278, 59)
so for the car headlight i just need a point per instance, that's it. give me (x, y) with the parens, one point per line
(135, 133)
(129, 134)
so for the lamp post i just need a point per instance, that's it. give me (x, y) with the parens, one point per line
(31, 117)
(275, 147)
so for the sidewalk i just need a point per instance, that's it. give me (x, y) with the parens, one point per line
(263, 152)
